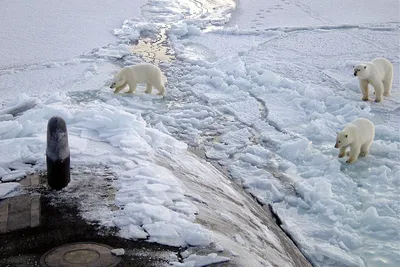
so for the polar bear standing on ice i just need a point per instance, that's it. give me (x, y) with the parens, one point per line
(140, 73)
(378, 73)
(357, 135)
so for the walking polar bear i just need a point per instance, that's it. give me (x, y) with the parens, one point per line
(378, 73)
(357, 135)
(140, 73)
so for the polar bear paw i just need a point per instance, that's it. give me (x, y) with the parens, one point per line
(350, 160)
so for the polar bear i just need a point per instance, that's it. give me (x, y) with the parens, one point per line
(357, 135)
(378, 73)
(140, 73)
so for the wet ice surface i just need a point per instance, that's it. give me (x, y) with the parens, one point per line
(262, 97)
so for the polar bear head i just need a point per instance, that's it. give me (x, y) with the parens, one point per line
(343, 138)
(119, 79)
(361, 71)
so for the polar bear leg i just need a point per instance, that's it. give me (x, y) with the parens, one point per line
(364, 150)
(364, 89)
(149, 87)
(160, 87)
(119, 88)
(387, 83)
(342, 152)
(354, 152)
(378, 86)
(132, 87)
(161, 90)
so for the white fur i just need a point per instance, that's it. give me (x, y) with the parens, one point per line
(378, 73)
(357, 135)
(140, 73)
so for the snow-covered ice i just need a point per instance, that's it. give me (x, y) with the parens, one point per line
(37, 31)
(198, 260)
(9, 189)
(261, 88)
(118, 251)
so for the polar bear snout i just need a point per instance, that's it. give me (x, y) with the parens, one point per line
(360, 71)
(357, 71)
(337, 145)
(112, 85)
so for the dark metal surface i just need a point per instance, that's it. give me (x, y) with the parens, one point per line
(87, 254)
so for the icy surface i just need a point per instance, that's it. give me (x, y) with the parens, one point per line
(118, 251)
(200, 260)
(9, 189)
(52, 31)
(262, 91)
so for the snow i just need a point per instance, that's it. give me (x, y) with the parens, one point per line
(118, 251)
(199, 260)
(13, 176)
(9, 189)
(42, 40)
(307, 14)
(261, 88)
